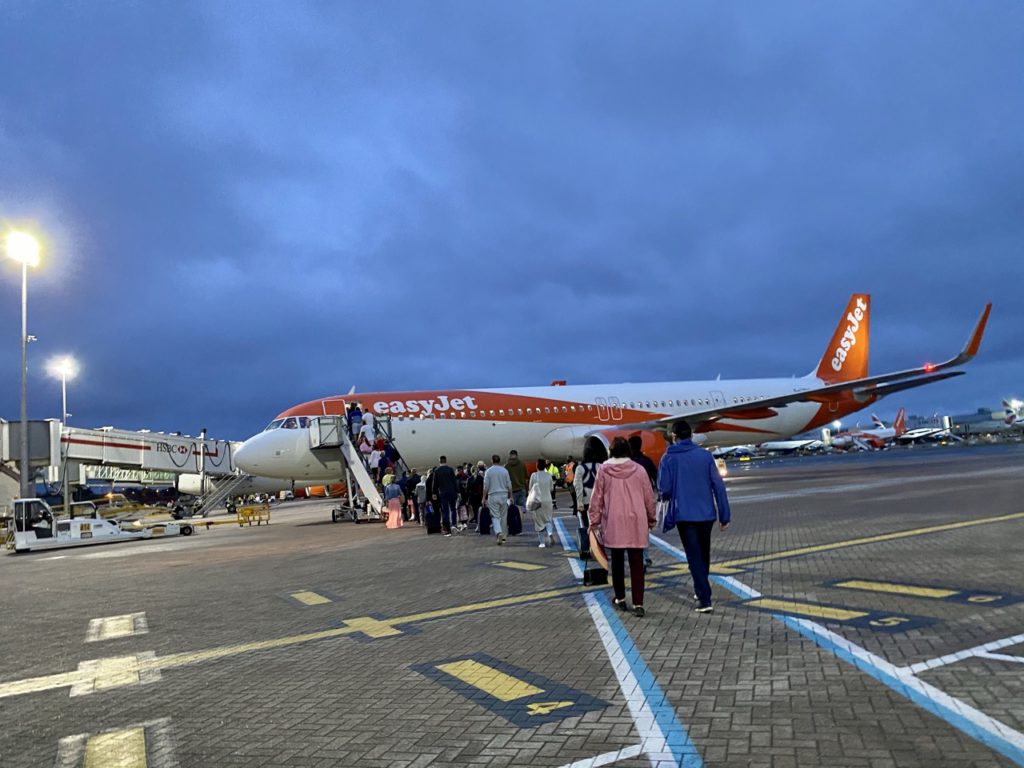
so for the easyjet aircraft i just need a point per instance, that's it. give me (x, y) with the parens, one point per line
(557, 421)
(879, 437)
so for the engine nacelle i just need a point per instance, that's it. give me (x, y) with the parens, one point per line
(598, 443)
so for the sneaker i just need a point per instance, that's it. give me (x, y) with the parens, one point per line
(500, 540)
(541, 545)
(648, 563)
(620, 604)
(448, 535)
(695, 597)
(705, 609)
(551, 540)
(638, 611)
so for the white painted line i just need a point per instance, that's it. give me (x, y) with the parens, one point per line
(607, 758)
(953, 658)
(1002, 657)
(654, 743)
(113, 627)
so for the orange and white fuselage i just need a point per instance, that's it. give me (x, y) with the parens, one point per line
(554, 422)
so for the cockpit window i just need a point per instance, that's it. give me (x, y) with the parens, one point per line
(303, 421)
(290, 423)
(276, 424)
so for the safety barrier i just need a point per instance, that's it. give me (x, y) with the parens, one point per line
(256, 513)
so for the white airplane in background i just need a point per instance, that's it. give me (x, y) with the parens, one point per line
(558, 421)
(872, 439)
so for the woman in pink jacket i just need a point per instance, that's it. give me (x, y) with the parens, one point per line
(622, 512)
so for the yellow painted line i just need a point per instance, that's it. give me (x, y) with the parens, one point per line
(491, 681)
(519, 566)
(118, 749)
(806, 609)
(310, 598)
(898, 589)
(106, 673)
(871, 540)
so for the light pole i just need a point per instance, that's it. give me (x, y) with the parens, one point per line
(63, 368)
(24, 248)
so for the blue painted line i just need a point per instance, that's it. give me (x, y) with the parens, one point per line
(950, 715)
(676, 738)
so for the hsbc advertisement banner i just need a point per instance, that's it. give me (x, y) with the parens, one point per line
(154, 452)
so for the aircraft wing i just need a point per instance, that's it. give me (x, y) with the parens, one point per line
(883, 384)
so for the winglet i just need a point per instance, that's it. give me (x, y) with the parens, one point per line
(972, 346)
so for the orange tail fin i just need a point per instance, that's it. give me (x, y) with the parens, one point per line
(900, 425)
(846, 356)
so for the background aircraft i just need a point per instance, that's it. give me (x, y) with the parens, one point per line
(872, 439)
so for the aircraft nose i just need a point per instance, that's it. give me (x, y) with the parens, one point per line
(247, 456)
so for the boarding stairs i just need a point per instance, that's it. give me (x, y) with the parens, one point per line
(221, 492)
(330, 432)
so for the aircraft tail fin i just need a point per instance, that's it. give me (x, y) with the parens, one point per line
(846, 356)
(900, 425)
(877, 421)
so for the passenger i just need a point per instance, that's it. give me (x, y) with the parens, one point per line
(636, 452)
(421, 497)
(446, 495)
(355, 420)
(688, 478)
(366, 432)
(584, 476)
(373, 464)
(539, 502)
(622, 511)
(387, 474)
(517, 474)
(394, 498)
(569, 473)
(475, 491)
(497, 490)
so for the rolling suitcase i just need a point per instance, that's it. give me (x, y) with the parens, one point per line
(515, 520)
(432, 520)
(484, 520)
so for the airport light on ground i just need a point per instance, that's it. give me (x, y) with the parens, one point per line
(63, 368)
(24, 249)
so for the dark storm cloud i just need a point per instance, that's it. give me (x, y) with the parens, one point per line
(252, 205)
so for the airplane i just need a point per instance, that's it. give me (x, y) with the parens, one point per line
(791, 446)
(872, 439)
(559, 421)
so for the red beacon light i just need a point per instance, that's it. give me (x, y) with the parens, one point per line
(929, 367)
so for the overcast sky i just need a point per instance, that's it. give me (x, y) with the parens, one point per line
(249, 205)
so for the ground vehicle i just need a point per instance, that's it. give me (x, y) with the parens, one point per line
(37, 527)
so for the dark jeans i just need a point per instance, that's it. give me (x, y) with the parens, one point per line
(446, 503)
(696, 538)
(636, 573)
(584, 519)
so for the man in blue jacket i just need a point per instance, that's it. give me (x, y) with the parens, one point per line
(688, 478)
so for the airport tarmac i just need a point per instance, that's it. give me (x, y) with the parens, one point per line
(869, 613)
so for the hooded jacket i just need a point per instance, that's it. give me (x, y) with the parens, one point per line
(688, 478)
(516, 473)
(622, 504)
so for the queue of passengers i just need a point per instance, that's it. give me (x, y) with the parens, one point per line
(615, 497)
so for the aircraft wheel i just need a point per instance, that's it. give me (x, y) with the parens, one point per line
(334, 515)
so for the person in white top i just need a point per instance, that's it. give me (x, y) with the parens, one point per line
(497, 489)
(539, 503)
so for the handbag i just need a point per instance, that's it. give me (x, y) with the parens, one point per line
(533, 502)
(667, 515)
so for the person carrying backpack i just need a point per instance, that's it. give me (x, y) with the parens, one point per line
(584, 476)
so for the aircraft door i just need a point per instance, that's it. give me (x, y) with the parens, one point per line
(615, 408)
(718, 399)
(325, 431)
(602, 409)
